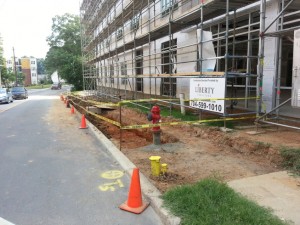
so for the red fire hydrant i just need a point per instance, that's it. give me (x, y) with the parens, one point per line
(155, 117)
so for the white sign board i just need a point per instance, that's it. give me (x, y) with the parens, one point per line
(208, 88)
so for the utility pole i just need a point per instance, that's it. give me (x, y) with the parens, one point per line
(15, 69)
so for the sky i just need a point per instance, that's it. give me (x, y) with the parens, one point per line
(26, 24)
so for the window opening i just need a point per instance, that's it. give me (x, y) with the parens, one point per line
(119, 33)
(134, 25)
(167, 5)
(111, 74)
(168, 61)
(124, 73)
(139, 70)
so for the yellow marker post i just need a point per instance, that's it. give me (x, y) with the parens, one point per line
(155, 165)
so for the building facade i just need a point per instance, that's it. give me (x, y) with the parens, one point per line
(27, 67)
(26, 70)
(141, 49)
(33, 70)
(14, 65)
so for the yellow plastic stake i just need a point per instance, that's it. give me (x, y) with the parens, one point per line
(155, 165)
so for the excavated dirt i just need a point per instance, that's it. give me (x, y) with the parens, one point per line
(195, 152)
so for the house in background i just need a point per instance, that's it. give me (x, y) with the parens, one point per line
(27, 66)
(26, 70)
(12, 64)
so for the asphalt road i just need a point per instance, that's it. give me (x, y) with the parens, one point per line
(52, 173)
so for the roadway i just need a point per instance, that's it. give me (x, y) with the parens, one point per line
(52, 173)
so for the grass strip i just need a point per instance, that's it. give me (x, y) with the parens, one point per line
(291, 158)
(39, 86)
(176, 114)
(211, 202)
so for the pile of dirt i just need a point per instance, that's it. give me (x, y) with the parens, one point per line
(196, 152)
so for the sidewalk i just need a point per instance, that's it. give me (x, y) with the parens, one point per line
(279, 191)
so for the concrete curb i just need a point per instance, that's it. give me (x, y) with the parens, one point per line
(5, 222)
(150, 192)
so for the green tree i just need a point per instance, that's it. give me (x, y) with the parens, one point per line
(1, 47)
(40, 66)
(3, 71)
(21, 77)
(64, 54)
(7, 76)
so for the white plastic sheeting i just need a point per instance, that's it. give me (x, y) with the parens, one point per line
(206, 50)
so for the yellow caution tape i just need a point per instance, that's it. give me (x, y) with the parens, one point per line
(196, 99)
(154, 100)
(213, 99)
(138, 100)
(143, 126)
(105, 119)
(103, 103)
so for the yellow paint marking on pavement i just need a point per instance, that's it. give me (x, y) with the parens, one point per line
(112, 174)
(3, 110)
(111, 186)
(12, 105)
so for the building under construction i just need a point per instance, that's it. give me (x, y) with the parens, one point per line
(215, 54)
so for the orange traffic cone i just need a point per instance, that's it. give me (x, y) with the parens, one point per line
(134, 202)
(72, 110)
(83, 123)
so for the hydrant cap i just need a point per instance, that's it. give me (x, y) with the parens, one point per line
(155, 109)
(154, 158)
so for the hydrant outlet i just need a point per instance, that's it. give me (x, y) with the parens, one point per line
(164, 168)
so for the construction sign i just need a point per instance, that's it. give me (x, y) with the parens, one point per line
(208, 88)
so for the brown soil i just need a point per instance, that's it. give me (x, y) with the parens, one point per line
(195, 152)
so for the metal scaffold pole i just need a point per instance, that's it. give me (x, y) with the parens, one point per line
(261, 56)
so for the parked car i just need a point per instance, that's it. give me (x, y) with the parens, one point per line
(19, 92)
(56, 86)
(5, 96)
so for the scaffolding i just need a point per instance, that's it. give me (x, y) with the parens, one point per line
(135, 49)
